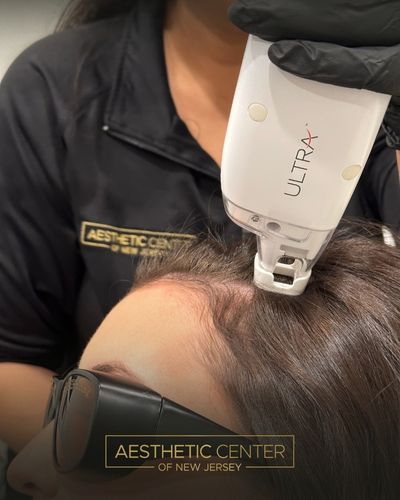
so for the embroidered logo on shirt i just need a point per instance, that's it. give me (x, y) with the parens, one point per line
(136, 242)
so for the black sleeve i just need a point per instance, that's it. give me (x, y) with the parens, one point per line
(380, 185)
(40, 266)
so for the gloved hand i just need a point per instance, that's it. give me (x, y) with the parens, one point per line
(350, 43)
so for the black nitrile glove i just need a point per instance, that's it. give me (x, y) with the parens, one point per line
(350, 43)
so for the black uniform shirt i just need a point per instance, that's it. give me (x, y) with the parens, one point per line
(98, 170)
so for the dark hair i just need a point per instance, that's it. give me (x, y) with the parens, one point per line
(85, 11)
(324, 366)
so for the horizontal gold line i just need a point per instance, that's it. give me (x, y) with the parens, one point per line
(97, 245)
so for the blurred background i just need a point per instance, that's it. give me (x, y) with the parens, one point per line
(22, 22)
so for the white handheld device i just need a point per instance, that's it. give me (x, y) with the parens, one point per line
(294, 153)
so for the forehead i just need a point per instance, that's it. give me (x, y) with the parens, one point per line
(158, 332)
(153, 329)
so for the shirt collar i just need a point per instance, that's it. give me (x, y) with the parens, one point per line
(141, 107)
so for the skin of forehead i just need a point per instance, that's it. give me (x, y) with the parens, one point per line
(158, 332)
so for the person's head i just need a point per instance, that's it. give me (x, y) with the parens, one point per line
(324, 366)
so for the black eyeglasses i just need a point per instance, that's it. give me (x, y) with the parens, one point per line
(87, 406)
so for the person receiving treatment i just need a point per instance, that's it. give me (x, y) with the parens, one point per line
(324, 367)
(111, 132)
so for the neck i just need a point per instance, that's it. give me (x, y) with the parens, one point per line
(203, 54)
(202, 36)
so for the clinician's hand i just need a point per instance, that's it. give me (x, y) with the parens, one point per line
(351, 43)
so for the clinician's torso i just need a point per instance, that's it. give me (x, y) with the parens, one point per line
(139, 182)
(131, 203)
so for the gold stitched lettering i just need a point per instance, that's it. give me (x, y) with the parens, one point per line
(130, 241)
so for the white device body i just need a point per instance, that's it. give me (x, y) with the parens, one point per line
(294, 153)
